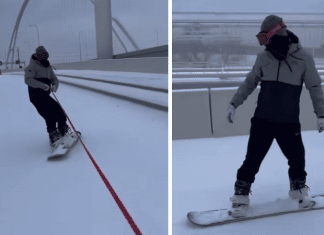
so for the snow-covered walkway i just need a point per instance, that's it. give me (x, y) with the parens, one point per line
(129, 143)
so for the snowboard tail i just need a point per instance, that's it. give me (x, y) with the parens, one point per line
(278, 207)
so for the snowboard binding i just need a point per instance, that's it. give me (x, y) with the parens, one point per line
(238, 210)
(240, 205)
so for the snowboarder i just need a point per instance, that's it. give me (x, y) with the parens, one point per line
(281, 68)
(41, 81)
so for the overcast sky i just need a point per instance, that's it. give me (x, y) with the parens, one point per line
(60, 21)
(311, 6)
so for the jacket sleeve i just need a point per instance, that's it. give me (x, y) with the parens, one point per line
(54, 78)
(248, 86)
(29, 78)
(313, 84)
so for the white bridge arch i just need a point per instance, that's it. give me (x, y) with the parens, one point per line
(103, 31)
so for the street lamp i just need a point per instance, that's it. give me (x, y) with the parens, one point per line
(157, 37)
(80, 45)
(37, 32)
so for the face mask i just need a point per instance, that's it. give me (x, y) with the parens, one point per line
(279, 46)
(43, 56)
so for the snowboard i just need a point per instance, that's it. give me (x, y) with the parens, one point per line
(65, 144)
(269, 209)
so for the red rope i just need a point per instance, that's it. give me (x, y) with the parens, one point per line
(105, 180)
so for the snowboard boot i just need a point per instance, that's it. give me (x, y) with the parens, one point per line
(54, 137)
(64, 130)
(240, 200)
(299, 191)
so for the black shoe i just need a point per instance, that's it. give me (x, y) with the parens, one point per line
(54, 136)
(299, 191)
(63, 130)
(242, 188)
(241, 197)
(297, 184)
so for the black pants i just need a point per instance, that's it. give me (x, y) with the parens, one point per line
(262, 134)
(48, 108)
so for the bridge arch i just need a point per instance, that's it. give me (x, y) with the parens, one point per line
(104, 49)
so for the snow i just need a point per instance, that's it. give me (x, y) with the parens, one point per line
(204, 172)
(129, 143)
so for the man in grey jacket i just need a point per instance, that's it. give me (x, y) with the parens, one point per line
(282, 69)
(41, 81)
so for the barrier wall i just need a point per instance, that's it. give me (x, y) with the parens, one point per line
(307, 116)
(139, 65)
(160, 51)
(191, 114)
(220, 99)
(194, 107)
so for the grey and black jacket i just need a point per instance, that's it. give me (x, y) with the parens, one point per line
(38, 73)
(281, 85)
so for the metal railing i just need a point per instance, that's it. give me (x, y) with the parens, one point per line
(212, 40)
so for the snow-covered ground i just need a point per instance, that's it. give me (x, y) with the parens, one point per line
(129, 143)
(204, 172)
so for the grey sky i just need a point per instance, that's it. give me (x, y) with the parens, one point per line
(60, 22)
(293, 6)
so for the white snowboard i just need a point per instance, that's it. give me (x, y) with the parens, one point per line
(67, 142)
(274, 208)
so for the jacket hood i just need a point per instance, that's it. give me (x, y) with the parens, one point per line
(295, 44)
(294, 48)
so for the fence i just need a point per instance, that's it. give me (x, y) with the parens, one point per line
(213, 40)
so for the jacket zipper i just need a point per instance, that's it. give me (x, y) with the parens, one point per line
(278, 71)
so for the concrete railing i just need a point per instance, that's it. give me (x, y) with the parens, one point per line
(159, 51)
(200, 113)
(139, 65)
(219, 74)
(191, 114)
